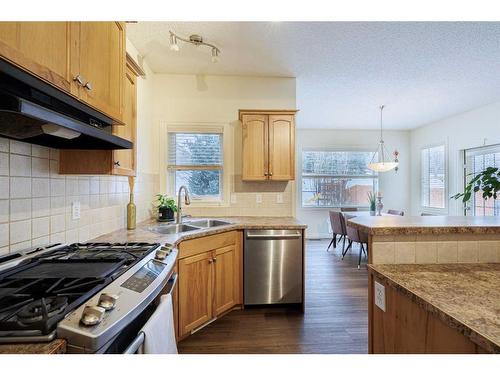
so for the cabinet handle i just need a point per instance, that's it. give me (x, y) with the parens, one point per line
(210, 261)
(88, 86)
(270, 173)
(78, 79)
(266, 174)
(215, 260)
(117, 163)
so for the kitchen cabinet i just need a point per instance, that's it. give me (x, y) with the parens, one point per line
(268, 151)
(210, 279)
(99, 62)
(83, 59)
(111, 162)
(42, 48)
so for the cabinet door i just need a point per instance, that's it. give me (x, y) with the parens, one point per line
(281, 147)
(42, 48)
(124, 160)
(255, 147)
(226, 279)
(195, 291)
(101, 63)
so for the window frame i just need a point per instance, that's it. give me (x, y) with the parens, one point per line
(431, 209)
(167, 183)
(470, 207)
(375, 177)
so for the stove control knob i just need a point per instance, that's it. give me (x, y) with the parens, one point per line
(107, 301)
(162, 253)
(92, 315)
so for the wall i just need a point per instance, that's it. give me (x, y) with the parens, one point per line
(35, 200)
(394, 186)
(191, 99)
(474, 128)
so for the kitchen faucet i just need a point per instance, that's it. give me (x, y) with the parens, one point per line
(187, 201)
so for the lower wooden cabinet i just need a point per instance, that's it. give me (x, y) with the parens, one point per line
(210, 274)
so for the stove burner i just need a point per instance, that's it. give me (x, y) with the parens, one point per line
(42, 308)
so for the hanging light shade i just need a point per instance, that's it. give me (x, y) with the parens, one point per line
(381, 161)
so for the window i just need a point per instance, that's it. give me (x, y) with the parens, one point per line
(477, 160)
(433, 177)
(195, 160)
(337, 178)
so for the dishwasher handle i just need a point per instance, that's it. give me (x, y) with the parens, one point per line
(257, 234)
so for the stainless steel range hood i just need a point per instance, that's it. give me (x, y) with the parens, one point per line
(35, 112)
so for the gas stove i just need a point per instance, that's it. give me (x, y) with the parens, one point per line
(42, 289)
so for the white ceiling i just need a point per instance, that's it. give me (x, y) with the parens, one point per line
(421, 71)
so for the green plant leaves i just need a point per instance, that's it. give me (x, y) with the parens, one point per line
(487, 181)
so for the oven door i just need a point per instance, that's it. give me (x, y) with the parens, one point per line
(131, 338)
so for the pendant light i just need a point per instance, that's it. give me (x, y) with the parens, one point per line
(384, 163)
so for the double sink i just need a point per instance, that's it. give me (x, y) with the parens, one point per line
(188, 226)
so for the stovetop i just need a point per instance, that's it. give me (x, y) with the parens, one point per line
(41, 290)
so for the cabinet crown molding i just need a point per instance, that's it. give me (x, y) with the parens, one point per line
(242, 112)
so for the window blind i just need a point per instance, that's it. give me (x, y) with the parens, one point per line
(433, 177)
(191, 150)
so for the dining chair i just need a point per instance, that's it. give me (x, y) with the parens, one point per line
(337, 223)
(354, 235)
(348, 209)
(396, 212)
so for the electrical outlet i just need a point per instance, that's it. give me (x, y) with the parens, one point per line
(379, 291)
(233, 198)
(258, 198)
(75, 210)
(279, 198)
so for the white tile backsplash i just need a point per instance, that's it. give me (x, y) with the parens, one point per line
(4, 187)
(20, 209)
(4, 164)
(21, 148)
(20, 187)
(35, 200)
(20, 165)
(40, 187)
(4, 211)
(20, 231)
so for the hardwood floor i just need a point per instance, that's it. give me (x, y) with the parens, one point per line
(335, 318)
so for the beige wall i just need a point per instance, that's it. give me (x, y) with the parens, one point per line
(197, 100)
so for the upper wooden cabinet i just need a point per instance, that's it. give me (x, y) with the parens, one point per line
(114, 162)
(42, 48)
(99, 62)
(84, 59)
(268, 151)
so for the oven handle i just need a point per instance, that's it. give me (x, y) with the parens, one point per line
(136, 345)
(172, 281)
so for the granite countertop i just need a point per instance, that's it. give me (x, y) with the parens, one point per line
(464, 296)
(393, 225)
(142, 232)
(57, 346)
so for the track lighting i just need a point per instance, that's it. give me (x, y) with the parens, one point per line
(173, 42)
(197, 40)
(215, 55)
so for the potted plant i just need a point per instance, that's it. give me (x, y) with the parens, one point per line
(166, 207)
(372, 200)
(487, 181)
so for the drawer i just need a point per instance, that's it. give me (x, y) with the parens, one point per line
(203, 244)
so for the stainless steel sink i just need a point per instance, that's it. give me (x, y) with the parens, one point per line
(173, 228)
(208, 223)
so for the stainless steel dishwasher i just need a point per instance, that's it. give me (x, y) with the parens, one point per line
(273, 267)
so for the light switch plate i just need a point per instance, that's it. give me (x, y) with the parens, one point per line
(75, 210)
(258, 198)
(279, 198)
(379, 292)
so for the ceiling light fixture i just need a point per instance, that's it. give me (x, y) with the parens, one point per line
(383, 164)
(197, 40)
